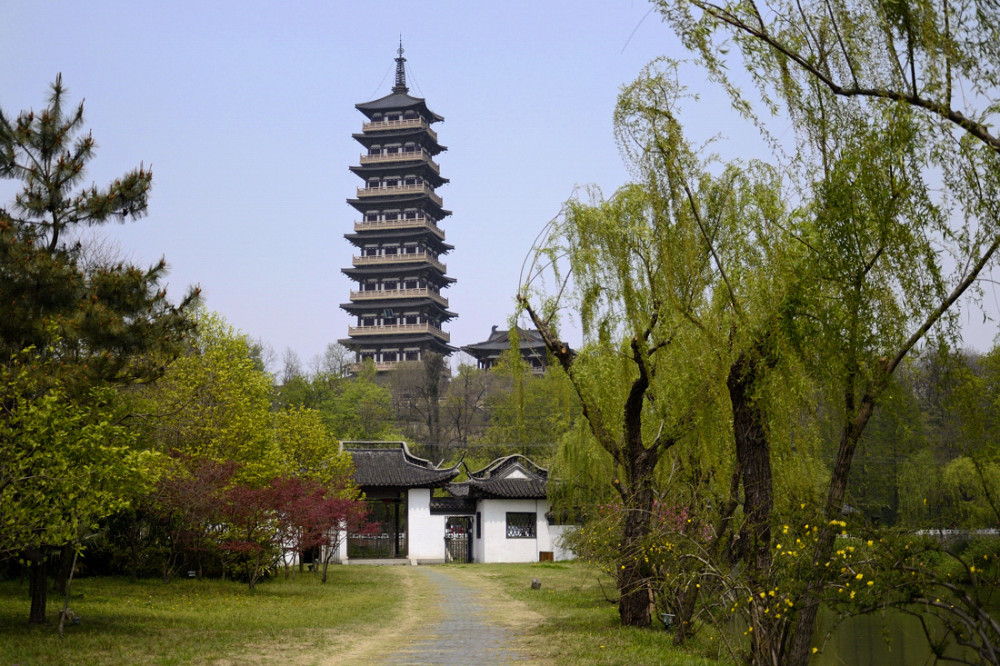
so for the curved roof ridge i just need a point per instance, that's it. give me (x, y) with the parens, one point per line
(504, 462)
(410, 457)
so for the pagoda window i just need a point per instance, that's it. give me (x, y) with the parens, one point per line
(376, 116)
(388, 357)
(412, 355)
(375, 150)
(373, 182)
(368, 321)
(410, 284)
(370, 251)
(390, 182)
(410, 114)
(391, 250)
(392, 216)
(371, 217)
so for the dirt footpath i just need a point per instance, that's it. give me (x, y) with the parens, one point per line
(448, 616)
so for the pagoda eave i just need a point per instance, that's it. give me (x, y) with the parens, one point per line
(414, 167)
(368, 139)
(354, 307)
(379, 202)
(426, 271)
(397, 102)
(432, 241)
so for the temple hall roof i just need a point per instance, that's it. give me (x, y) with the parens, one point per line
(512, 477)
(382, 467)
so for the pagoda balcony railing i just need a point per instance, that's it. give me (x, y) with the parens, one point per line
(374, 295)
(402, 223)
(418, 188)
(398, 329)
(381, 366)
(409, 123)
(421, 155)
(412, 258)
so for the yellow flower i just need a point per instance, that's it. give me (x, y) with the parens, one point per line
(860, 576)
(815, 650)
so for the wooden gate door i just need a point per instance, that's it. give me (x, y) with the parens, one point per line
(457, 545)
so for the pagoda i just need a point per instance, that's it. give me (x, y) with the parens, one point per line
(398, 309)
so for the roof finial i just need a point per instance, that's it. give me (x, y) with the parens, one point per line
(400, 86)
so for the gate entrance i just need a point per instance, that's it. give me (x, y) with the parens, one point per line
(457, 544)
(389, 539)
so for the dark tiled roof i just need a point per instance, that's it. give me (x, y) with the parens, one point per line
(508, 488)
(513, 477)
(398, 101)
(397, 467)
(499, 340)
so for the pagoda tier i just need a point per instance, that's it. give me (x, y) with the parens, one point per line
(404, 273)
(418, 300)
(414, 199)
(398, 173)
(397, 303)
(416, 136)
(412, 240)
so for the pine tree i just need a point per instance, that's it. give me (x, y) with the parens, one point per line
(72, 321)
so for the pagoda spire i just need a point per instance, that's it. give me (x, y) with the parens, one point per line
(400, 86)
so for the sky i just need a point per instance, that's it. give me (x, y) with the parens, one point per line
(245, 110)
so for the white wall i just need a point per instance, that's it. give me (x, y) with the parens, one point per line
(494, 545)
(425, 533)
(560, 552)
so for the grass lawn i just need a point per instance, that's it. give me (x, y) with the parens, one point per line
(206, 621)
(577, 625)
(351, 619)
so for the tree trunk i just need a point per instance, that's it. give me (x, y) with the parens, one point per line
(39, 586)
(753, 455)
(633, 577)
(800, 644)
(66, 558)
(326, 563)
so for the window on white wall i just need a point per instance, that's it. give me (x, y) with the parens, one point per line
(520, 525)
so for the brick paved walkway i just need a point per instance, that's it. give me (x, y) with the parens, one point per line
(464, 635)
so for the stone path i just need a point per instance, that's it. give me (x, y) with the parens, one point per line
(464, 635)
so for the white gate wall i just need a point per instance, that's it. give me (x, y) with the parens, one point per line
(425, 533)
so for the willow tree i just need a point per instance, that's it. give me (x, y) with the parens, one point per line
(880, 94)
(666, 277)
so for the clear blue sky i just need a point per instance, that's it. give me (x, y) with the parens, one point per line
(245, 111)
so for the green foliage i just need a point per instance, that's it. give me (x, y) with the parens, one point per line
(307, 448)
(66, 464)
(528, 412)
(214, 402)
(359, 409)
